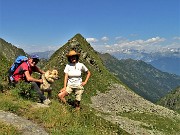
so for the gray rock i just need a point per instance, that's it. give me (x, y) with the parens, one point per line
(25, 126)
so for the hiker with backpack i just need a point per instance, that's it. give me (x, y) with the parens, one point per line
(73, 79)
(22, 69)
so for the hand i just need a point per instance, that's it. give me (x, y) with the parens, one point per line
(83, 83)
(63, 89)
(40, 80)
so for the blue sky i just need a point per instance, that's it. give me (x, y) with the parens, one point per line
(40, 25)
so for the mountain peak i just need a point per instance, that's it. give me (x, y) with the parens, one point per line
(80, 45)
(78, 35)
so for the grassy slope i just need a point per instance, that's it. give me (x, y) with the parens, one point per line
(10, 51)
(171, 100)
(58, 118)
(4, 64)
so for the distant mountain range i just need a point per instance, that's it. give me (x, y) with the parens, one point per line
(167, 64)
(45, 55)
(167, 60)
(143, 78)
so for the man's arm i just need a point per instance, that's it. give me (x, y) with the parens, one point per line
(31, 79)
(39, 70)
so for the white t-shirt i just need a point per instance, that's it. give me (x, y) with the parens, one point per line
(74, 73)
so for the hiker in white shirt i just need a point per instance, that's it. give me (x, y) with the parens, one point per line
(73, 79)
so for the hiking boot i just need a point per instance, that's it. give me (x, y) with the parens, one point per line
(47, 102)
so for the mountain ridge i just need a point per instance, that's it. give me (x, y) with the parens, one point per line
(141, 77)
(171, 100)
(165, 60)
(9, 51)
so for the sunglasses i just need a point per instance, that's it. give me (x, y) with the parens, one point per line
(35, 61)
(73, 57)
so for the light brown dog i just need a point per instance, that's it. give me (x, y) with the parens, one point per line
(48, 79)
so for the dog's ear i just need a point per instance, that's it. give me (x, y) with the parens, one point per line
(50, 72)
(56, 72)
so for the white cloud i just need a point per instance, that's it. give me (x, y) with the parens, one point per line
(149, 44)
(104, 39)
(120, 38)
(119, 43)
(154, 40)
(91, 40)
(140, 42)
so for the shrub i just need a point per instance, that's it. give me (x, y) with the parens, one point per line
(24, 90)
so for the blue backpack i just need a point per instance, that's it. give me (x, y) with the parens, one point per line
(15, 65)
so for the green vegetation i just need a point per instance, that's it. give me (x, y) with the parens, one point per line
(171, 100)
(24, 90)
(3, 67)
(163, 124)
(8, 129)
(10, 51)
(58, 118)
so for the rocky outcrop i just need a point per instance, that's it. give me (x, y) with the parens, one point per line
(26, 127)
(119, 100)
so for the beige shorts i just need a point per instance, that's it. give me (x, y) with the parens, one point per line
(78, 91)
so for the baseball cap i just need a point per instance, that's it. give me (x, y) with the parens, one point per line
(34, 56)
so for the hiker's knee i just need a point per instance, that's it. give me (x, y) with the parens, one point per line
(62, 94)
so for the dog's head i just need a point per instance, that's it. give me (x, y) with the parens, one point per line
(51, 75)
